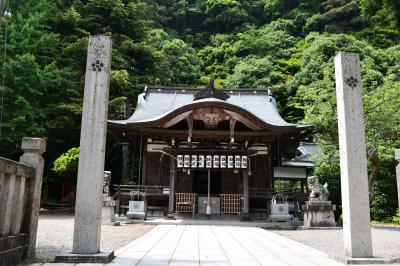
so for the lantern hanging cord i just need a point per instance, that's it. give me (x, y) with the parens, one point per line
(4, 75)
(6, 15)
(166, 153)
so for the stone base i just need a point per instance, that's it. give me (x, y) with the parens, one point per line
(318, 213)
(12, 249)
(101, 257)
(107, 214)
(280, 217)
(363, 261)
(171, 216)
(136, 215)
(245, 217)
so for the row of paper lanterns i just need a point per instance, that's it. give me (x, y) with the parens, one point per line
(211, 161)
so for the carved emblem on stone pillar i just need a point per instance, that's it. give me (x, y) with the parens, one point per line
(351, 81)
(97, 66)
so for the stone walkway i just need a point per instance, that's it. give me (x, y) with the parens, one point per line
(217, 245)
(213, 245)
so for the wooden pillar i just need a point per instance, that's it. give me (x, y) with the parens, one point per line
(245, 194)
(172, 169)
(208, 194)
(125, 163)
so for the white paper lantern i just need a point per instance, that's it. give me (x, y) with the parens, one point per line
(244, 161)
(200, 161)
(222, 161)
(194, 161)
(238, 161)
(216, 161)
(230, 161)
(208, 161)
(186, 161)
(179, 161)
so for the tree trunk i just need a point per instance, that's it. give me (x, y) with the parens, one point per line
(2, 5)
(375, 166)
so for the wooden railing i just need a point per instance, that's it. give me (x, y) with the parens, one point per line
(20, 189)
(230, 203)
(126, 189)
(186, 202)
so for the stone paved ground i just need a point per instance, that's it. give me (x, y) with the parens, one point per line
(385, 241)
(217, 245)
(55, 233)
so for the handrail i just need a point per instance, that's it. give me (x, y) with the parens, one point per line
(15, 168)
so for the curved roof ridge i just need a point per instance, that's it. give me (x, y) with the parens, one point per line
(159, 105)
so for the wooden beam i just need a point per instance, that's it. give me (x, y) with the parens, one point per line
(208, 133)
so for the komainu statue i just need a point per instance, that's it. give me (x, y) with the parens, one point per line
(317, 191)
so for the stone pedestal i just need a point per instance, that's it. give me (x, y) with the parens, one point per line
(108, 211)
(318, 213)
(280, 212)
(137, 210)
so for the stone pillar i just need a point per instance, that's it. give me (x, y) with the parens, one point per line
(397, 157)
(172, 169)
(353, 157)
(33, 149)
(93, 143)
(245, 194)
(125, 163)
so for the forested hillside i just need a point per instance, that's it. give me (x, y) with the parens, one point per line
(284, 45)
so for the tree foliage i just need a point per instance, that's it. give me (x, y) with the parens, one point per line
(287, 46)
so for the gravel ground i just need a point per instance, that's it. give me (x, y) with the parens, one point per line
(385, 241)
(55, 234)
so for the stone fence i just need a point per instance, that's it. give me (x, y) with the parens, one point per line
(20, 188)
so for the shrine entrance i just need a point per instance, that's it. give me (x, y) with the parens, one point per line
(208, 151)
(200, 182)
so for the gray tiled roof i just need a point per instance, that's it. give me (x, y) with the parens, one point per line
(156, 104)
(308, 151)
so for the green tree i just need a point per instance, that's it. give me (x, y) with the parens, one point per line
(66, 166)
(253, 72)
(316, 95)
(32, 77)
(385, 11)
(224, 15)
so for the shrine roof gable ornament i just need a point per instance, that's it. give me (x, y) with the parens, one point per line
(211, 92)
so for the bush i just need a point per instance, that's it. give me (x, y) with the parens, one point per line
(396, 218)
(66, 166)
(384, 205)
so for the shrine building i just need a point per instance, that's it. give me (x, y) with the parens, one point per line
(214, 151)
